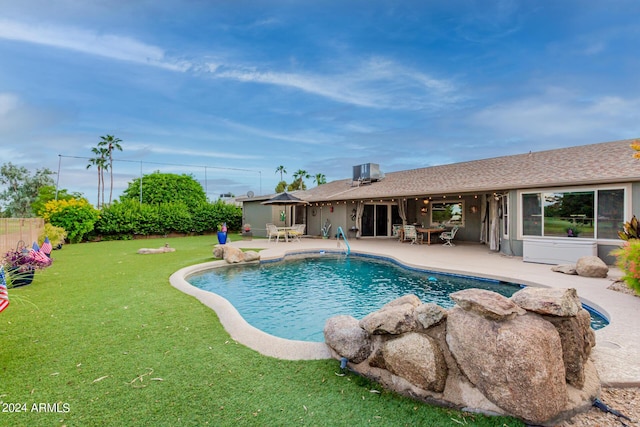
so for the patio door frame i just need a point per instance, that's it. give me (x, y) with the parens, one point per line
(377, 225)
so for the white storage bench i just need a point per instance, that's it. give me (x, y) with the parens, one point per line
(557, 251)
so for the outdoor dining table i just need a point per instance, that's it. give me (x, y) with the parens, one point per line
(286, 232)
(428, 232)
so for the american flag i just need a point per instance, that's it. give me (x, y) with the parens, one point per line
(37, 255)
(4, 295)
(46, 246)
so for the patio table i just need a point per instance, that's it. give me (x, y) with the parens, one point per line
(428, 232)
(286, 232)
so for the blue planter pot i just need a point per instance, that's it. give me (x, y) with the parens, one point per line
(222, 237)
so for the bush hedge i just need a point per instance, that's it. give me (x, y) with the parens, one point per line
(128, 218)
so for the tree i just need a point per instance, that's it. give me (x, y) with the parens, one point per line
(298, 180)
(320, 179)
(282, 170)
(160, 188)
(49, 192)
(282, 186)
(110, 143)
(100, 162)
(22, 188)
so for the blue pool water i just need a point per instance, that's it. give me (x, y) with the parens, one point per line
(293, 299)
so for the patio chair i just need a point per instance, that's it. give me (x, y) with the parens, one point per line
(296, 232)
(448, 236)
(410, 233)
(273, 232)
(396, 230)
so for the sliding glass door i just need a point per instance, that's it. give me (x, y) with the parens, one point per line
(375, 220)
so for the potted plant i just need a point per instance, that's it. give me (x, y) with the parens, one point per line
(246, 232)
(325, 229)
(21, 265)
(573, 231)
(222, 233)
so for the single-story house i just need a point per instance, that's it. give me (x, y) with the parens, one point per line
(548, 206)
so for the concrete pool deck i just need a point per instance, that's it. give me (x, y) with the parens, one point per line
(617, 351)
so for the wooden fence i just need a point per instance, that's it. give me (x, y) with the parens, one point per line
(14, 230)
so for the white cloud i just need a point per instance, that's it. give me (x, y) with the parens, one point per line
(187, 152)
(561, 114)
(375, 83)
(8, 103)
(90, 42)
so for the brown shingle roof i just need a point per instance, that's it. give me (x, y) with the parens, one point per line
(606, 162)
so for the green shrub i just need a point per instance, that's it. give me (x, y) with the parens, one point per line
(207, 216)
(127, 218)
(629, 262)
(174, 217)
(55, 234)
(76, 216)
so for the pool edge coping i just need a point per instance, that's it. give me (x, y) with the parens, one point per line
(239, 329)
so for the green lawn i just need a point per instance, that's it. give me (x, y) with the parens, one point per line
(104, 335)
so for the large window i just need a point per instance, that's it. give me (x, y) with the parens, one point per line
(447, 213)
(580, 213)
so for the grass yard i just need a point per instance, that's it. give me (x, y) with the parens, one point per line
(105, 340)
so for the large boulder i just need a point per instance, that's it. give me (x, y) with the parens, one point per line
(516, 363)
(553, 301)
(233, 255)
(416, 358)
(344, 335)
(591, 266)
(428, 315)
(218, 251)
(396, 317)
(577, 341)
(251, 256)
(487, 304)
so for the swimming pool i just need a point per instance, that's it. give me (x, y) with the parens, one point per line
(292, 299)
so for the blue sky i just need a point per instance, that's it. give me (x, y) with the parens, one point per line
(230, 90)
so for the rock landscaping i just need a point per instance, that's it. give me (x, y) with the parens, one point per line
(525, 356)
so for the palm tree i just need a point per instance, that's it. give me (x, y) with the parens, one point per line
(298, 179)
(282, 170)
(320, 179)
(100, 162)
(111, 143)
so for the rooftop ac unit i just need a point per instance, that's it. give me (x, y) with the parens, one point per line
(367, 172)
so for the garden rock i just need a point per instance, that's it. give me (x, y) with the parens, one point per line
(218, 251)
(416, 358)
(554, 301)
(347, 338)
(565, 268)
(487, 304)
(233, 255)
(591, 266)
(251, 256)
(577, 339)
(517, 363)
(488, 354)
(161, 250)
(394, 318)
(429, 314)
